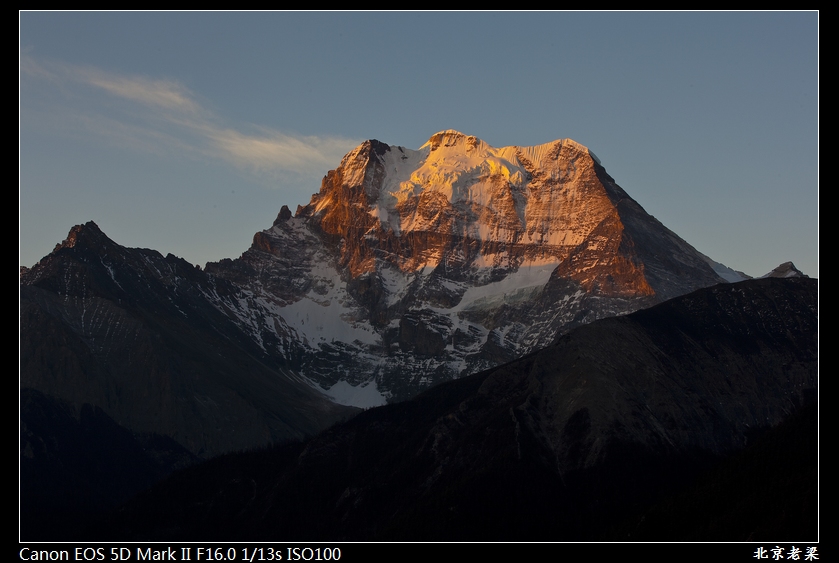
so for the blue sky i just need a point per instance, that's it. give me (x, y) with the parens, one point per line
(186, 132)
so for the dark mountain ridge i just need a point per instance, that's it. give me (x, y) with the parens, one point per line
(127, 361)
(564, 444)
(142, 337)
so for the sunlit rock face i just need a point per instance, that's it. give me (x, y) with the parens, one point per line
(411, 267)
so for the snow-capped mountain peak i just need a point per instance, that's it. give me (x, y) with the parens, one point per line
(458, 253)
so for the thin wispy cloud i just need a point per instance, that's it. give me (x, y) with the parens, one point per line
(168, 112)
(270, 148)
(160, 93)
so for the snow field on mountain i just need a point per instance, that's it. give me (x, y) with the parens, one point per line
(526, 280)
(366, 395)
(326, 318)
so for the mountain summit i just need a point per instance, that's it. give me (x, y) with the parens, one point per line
(411, 267)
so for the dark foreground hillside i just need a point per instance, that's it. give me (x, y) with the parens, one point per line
(692, 420)
(129, 370)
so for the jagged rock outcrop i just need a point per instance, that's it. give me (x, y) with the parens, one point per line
(496, 250)
(786, 270)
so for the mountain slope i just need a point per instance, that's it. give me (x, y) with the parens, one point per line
(130, 366)
(148, 339)
(569, 443)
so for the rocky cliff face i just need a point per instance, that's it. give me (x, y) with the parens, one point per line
(411, 267)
